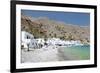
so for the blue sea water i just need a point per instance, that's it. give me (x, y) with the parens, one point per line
(82, 52)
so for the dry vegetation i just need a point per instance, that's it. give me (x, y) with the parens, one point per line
(46, 28)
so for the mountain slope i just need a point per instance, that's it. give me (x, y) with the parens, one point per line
(44, 27)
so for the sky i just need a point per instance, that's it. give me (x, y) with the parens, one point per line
(75, 18)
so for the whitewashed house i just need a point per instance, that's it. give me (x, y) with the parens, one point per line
(59, 42)
(40, 42)
(28, 40)
(53, 41)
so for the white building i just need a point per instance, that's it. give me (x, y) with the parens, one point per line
(28, 40)
(53, 41)
(57, 41)
(40, 41)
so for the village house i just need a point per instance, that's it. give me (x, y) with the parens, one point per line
(28, 41)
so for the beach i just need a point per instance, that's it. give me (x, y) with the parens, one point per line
(49, 54)
(44, 54)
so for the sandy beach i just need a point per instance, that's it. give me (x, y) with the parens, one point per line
(46, 54)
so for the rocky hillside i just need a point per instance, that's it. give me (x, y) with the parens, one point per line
(46, 28)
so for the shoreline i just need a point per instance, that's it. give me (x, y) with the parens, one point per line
(47, 54)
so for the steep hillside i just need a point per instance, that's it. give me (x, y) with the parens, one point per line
(44, 27)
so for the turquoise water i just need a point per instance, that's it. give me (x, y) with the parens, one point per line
(80, 52)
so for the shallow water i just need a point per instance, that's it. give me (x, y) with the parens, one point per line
(78, 52)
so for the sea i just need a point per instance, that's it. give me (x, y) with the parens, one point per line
(80, 52)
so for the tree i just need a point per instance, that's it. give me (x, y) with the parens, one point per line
(28, 47)
(55, 35)
(62, 37)
(70, 37)
(45, 37)
(50, 34)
